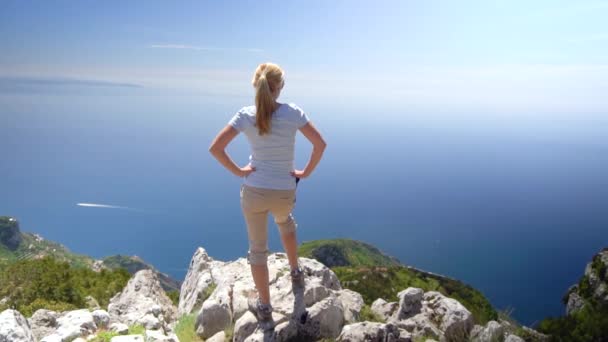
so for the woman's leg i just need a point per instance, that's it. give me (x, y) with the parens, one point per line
(290, 244)
(256, 217)
(281, 210)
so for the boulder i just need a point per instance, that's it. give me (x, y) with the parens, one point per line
(492, 332)
(352, 303)
(128, 338)
(218, 337)
(215, 315)
(43, 323)
(159, 336)
(14, 327)
(143, 301)
(514, 338)
(101, 318)
(384, 309)
(450, 316)
(373, 332)
(71, 325)
(316, 310)
(119, 328)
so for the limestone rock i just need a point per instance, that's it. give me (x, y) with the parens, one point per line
(71, 325)
(159, 336)
(215, 315)
(43, 322)
(128, 338)
(373, 332)
(492, 332)
(198, 279)
(514, 338)
(14, 327)
(410, 302)
(352, 302)
(218, 337)
(101, 318)
(384, 309)
(233, 284)
(143, 301)
(450, 316)
(119, 328)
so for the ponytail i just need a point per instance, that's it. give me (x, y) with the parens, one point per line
(268, 77)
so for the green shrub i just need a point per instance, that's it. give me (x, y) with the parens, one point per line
(367, 314)
(184, 329)
(588, 324)
(47, 283)
(174, 296)
(386, 282)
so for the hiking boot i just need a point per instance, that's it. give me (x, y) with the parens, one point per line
(263, 312)
(297, 278)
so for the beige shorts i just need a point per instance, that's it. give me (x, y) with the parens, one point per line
(256, 203)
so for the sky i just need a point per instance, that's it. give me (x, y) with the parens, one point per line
(500, 56)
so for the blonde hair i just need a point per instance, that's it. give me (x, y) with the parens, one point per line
(268, 77)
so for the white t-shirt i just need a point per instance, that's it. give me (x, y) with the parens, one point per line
(272, 154)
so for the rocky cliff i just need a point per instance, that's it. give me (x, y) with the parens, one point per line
(215, 293)
(18, 245)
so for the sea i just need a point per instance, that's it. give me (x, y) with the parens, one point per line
(511, 203)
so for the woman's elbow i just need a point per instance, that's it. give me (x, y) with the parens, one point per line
(214, 149)
(321, 145)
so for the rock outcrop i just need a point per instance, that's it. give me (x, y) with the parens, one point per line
(14, 327)
(10, 235)
(143, 301)
(218, 291)
(592, 286)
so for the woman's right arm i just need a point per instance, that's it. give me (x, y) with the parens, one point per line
(318, 146)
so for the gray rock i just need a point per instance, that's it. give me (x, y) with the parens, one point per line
(492, 332)
(43, 323)
(410, 302)
(575, 303)
(514, 338)
(420, 326)
(143, 301)
(244, 326)
(159, 336)
(234, 284)
(128, 338)
(325, 319)
(286, 331)
(198, 279)
(14, 327)
(450, 316)
(214, 316)
(373, 332)
(119, 328)
(218, 337)
(101, 318)
(73, 324)
(352, 302)
(384, 309)
(149, 321)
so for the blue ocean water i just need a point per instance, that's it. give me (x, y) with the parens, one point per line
(513, 205)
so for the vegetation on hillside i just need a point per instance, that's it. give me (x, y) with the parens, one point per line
(365, 269)
(345, 252)
(33, 245)
(56, 285)
(589, 323)
(385, 282)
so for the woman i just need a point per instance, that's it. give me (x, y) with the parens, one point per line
(270, 178)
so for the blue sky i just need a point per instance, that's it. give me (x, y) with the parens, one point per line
(519, 56)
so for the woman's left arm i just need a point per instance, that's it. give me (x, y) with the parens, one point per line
(218, 150)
